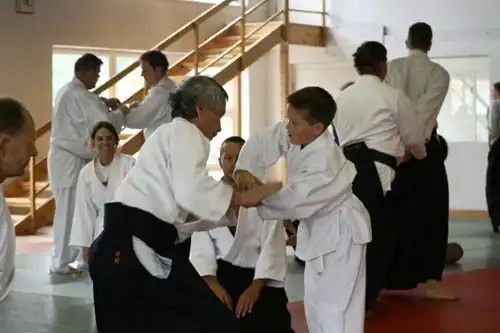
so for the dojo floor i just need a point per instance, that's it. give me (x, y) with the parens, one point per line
(40, 303)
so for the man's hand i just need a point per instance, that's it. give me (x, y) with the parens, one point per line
(219, 291)
(112, 103)
(245, 180)
(248, 299)
(134, 104)
(407, 156)
(254, 196)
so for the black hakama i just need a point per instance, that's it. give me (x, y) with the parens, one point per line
(493, 185)
(127, 298)
(368, 188)
(420, 211)
(269, 314)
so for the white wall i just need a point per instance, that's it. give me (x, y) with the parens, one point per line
(26, 41)
(462, 29)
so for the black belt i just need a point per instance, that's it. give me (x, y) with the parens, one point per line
(125, 221)
(378, 156)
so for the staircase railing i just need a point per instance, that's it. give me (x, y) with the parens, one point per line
(195, 54)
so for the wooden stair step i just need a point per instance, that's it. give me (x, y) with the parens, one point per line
(25, 201)
(17, 218)
(125, 136)
(39, 185)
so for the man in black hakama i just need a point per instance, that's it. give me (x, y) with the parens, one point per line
(420, 209)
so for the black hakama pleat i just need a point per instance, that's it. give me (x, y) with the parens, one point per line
(368, 188)
(127, 298)
(269, 314)
(420, 211)
(493, 185)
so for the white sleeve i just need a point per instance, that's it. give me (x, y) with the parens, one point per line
(301, 197)
(69, 139)
(410, 127)
(429, 104)
(98, 111)
(143, 115)
(272, 262)
(205, 225)
(194, 190)
(117, 119)
(202, 254)
(263, 149)
(85, 215)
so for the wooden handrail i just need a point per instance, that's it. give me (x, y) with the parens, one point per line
(305, 11)
(218, 34)
(174, 37)
(234, 46)
(44, 129)
(193, 25)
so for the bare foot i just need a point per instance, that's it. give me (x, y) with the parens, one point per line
(68, 272)
(433, 291)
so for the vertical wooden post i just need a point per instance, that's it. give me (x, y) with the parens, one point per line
(285, 60)
(239, 84)
(323, 21)
(285, 69)
(196, 48)
(32, 196)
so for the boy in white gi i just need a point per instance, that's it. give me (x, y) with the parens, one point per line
(245, 266)
(335, 226)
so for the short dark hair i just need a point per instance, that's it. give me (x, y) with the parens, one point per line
(232, 139)
(369, 56)
(88, 61)
(156, 59)
(12, 116)
(107, 125)
(318, 102)
(496, 86)
(420, 36)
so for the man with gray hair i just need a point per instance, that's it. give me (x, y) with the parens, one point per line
(142, 283)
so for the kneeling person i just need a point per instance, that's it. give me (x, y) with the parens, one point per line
(245, 266)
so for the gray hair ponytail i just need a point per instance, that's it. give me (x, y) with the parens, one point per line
(201, 91)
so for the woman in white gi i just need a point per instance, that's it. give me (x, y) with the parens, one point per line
(141, 282)
(245, 266)
(334, 225)
(96, 185)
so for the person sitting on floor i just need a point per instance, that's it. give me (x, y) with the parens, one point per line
(245, 266)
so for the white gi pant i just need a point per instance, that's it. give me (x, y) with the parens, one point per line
(335, 284)
(63, 255)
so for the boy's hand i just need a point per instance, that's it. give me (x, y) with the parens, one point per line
(245, 180)
(248, 299)
(219, 291)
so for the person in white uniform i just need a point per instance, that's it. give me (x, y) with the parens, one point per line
(17, 146)
(141, 282)
(97, 184)
(375, 125)
(154, 110)
(493, 169)
(75, 113)
(421, 183)
(334, 225)
(245, 265)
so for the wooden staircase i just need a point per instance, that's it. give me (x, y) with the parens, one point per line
(223, 56)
